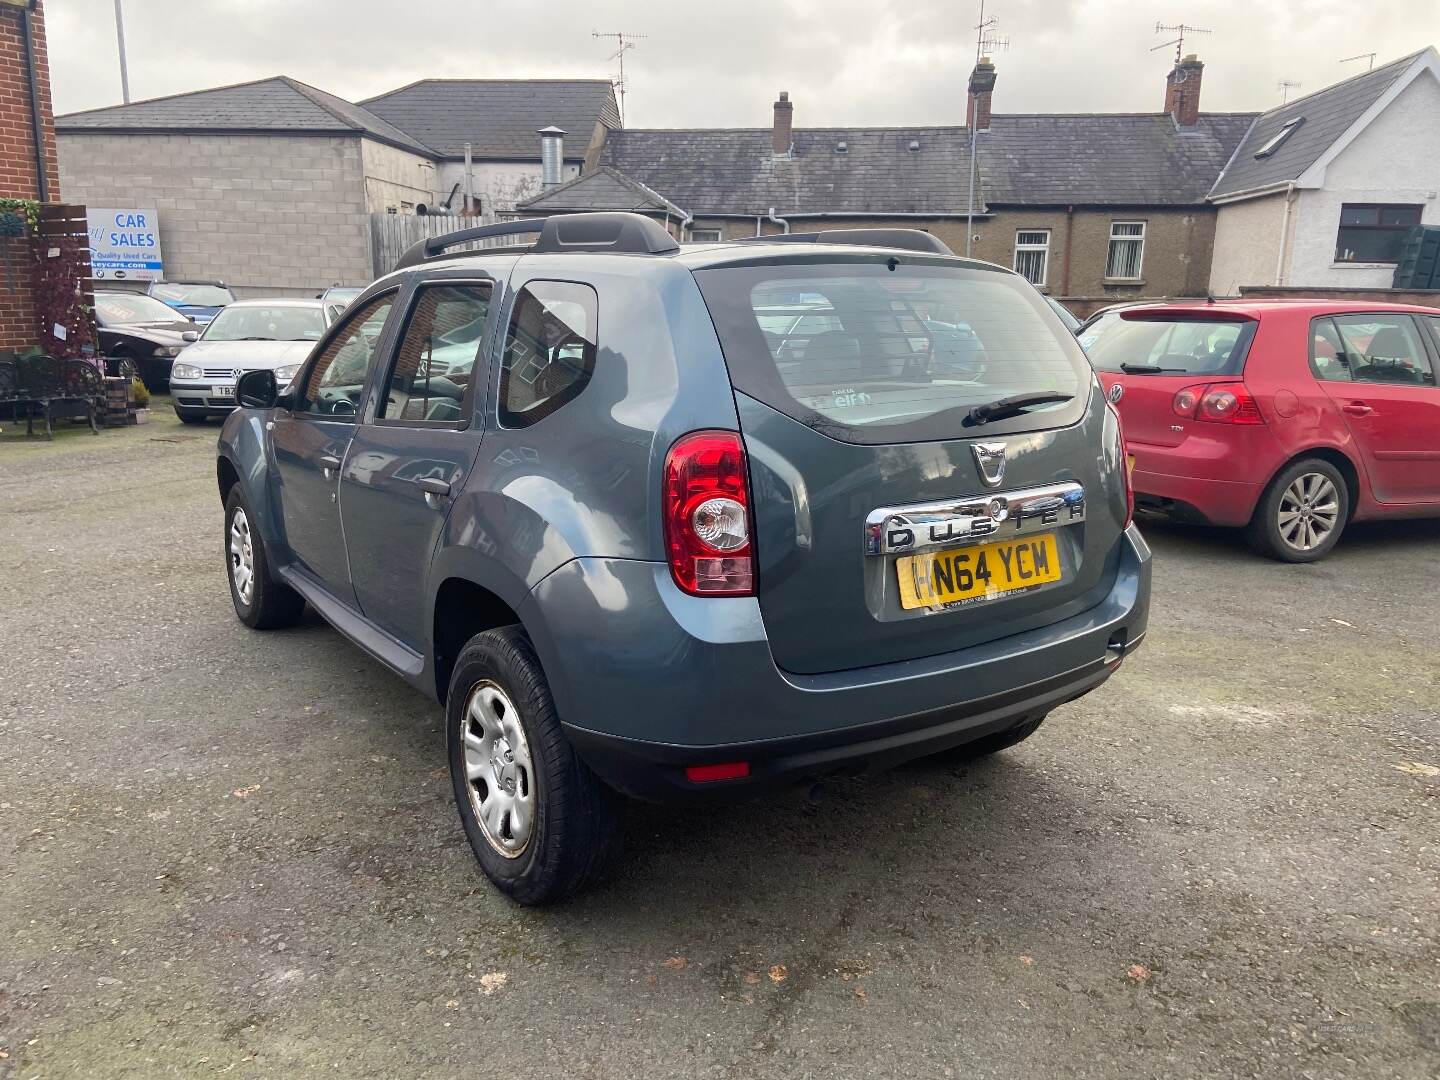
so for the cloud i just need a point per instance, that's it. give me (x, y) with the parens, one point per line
(845, 62)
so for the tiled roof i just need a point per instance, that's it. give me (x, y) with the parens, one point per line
(602, 189)
(734, 171)
(1113, 159)
(1327, 114)
(275, 105)
(498, 117)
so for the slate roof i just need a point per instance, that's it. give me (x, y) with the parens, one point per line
(1111, 159)
(734, 171)
(601, 189)
(1328, 114)
(278, 105)
(498, 117)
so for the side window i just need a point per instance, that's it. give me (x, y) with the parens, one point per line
(1385, 349)
(1327, 352)
(333, 384)
(549, 350)
(435, 363)
(1433, 322)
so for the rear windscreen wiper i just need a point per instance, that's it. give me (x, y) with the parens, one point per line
(1013, 406)
(1151, 369)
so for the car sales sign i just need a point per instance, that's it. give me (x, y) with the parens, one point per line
(125, 244)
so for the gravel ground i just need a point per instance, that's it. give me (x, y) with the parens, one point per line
(231, 852)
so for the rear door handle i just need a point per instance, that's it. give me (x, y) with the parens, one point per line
(435, 489)
(1357, 408)
(329, 464)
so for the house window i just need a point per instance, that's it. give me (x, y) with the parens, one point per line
(1273, 143)
(1032, 254)
(704, 236)
(1373, 232)
(1127, 250)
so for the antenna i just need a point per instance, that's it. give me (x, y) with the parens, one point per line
(1181, 29)
(625, 41)
(1285, 86)
(1368, 57)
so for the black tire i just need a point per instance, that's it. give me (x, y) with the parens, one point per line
(1264, 532)
(191, 416)
(575, 825)
(126, 366)
(1000, 740)
(272, 604)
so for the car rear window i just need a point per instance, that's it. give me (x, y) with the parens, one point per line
(893, 350)
(1168, 345)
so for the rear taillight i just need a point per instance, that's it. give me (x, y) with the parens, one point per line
(1217, 403)
(707, 515)
(1124, 464)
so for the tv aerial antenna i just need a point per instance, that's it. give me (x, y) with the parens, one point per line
(625, 42)
(1368, 57)
(1285, 86)
(1180, 30)
(988, 40)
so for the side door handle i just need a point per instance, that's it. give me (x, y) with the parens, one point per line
(1357, 408)
(435, 489)
(329, 465)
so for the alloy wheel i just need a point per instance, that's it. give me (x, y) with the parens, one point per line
(499, 773)
(1309, 511)
(242, 557)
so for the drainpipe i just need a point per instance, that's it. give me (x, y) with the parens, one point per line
(469, 184)
(1284, 233)
(42, 181)
(770, 217)
(1069, 230)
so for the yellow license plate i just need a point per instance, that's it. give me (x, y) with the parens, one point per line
(974, 574)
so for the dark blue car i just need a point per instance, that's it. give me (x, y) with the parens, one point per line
(198, 300)
(689, 523)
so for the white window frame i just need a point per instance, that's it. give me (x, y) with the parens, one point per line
(706, 236)
(1043, 249)
(1127, 237)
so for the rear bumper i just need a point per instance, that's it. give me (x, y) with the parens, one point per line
(1202, 502)
(1213, 477)
(649, 681)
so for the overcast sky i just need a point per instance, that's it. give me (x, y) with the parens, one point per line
(720, 62)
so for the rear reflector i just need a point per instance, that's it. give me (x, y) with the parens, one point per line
(730, 770)
(707, 515)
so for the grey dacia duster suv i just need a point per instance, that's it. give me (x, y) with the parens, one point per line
(688, 522)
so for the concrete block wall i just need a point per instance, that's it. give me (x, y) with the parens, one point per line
(394, 177)
(264, 213)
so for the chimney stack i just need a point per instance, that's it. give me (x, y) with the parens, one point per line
(982, 88)
(781, 140)
(1182, 91)
(552, 155)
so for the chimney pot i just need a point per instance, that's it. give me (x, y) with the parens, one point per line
(1182, 91)
(781, 135)
(982, 90)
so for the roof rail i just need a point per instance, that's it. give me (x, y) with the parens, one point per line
(626, 233)
(904, 239)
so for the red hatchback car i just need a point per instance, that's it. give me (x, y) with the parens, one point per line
(1289, 418)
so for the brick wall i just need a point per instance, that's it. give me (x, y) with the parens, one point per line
(1178, 245)
(17, 166)
(282, 213)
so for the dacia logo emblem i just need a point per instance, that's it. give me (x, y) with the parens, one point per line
(990, 460)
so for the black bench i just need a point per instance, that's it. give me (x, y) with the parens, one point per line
(50, 389)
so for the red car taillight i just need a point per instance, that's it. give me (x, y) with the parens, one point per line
(707, 515)
(1217, 403)
(1124, 465)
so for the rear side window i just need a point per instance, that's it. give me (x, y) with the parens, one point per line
(549, 350)
(892, 351)
(1383, 349)
(1168, 346)
(434, 366)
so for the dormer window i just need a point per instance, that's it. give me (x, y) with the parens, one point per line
(1278, 139)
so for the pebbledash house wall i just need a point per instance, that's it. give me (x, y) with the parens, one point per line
(1176, 259)
(498, 185)
(283, 214)
(17, 165)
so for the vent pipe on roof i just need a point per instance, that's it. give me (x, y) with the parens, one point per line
(552, 155)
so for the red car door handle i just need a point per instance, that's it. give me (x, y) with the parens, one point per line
(1357, 408)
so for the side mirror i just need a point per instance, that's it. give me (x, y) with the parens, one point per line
(257, 390)
(190, 335)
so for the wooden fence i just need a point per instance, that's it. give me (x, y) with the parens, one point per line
(391, 234)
